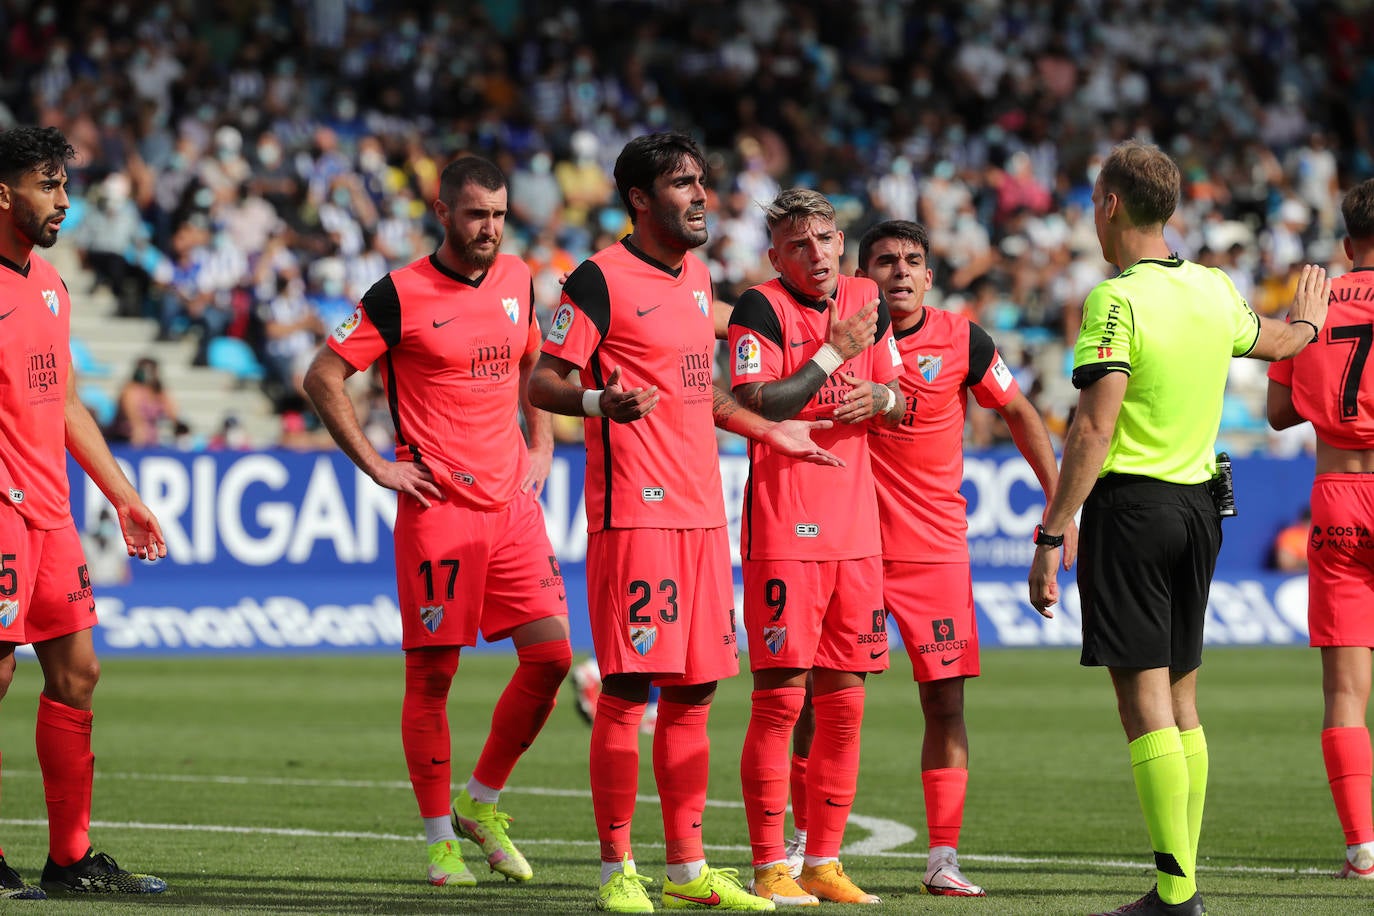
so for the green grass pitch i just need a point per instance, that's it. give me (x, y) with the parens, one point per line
(277, 785)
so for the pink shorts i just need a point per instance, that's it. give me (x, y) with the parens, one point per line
(45, 590)
(662, 603)
(932, 604)
(815, 614)
(459, 571)
(1340, 561)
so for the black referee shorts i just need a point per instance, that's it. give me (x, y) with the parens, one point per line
(1146, 553)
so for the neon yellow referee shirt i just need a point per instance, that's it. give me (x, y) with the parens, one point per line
(1173, 327)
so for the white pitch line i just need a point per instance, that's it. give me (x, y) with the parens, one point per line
(885, 835)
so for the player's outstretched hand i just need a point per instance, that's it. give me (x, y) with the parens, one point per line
(625, 405)
(793, 438)
(142, 534)
(411, 478)
(1312, 297)
(852, 335)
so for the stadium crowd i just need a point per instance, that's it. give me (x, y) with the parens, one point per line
(250, 169)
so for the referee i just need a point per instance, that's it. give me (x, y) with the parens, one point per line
(1150, 365)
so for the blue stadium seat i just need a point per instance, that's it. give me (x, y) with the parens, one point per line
(99, 403)
(85, 362)
(229, 354)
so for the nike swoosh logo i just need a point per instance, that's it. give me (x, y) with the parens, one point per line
(8, 314)
(768, 813)
(92, 607)
(834, 804)
(436, 761)
(620, 826)
(800, 343)
(949, 661)
(713, 900)
(562, 596)
(641, 313)
(440, 324)
(696, 825)
(878, 654)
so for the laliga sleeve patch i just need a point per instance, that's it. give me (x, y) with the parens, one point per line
(562, 320)
(348, 325)
(892, 349)
(748, 358)
(1002, 374)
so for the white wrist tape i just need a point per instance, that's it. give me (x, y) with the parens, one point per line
(828, 358)
(591, 402)
(889, 399)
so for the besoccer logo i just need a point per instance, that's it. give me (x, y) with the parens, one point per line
(747, 360)
(562, 320)
(943, 629)
(432, 616)
(348, 325)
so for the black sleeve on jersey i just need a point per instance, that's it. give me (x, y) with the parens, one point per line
(981, 351)
(383, 307)
(587, 289)
(1086, 375)
(755, 312)
(532, 318)
(884, 319)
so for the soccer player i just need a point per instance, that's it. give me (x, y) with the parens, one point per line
(918, 465)
(1325, 384)
(1150, 365)
(45, 590)
(636, 322)
(811, 344)
(456, 336)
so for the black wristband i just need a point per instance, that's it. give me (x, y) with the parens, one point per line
(1316, 331)
(1042, 539)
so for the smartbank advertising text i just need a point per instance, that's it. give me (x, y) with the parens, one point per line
(291, 552)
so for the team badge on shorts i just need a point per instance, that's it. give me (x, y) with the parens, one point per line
(774, 637)
(432, 615)
(512, 307)
(643, 638)
(9, 612)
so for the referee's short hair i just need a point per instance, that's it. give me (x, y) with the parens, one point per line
(1146, 180)
(465, 169)
(646, 158)
(1358, 210)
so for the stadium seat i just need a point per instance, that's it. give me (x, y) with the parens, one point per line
(85, 362)
(99, 403)
(229, 354)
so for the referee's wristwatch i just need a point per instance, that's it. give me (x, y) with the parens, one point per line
(1044, 539)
